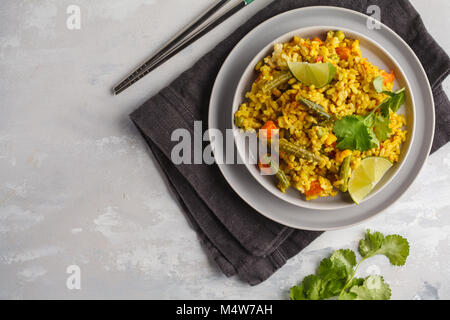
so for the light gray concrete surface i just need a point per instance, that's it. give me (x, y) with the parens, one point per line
(79, 187)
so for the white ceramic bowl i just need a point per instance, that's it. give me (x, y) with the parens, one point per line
(377, 56)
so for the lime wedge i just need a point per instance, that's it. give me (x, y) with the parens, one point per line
(317, 74)
(366, 177)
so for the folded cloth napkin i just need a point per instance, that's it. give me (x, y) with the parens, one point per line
(238, 238)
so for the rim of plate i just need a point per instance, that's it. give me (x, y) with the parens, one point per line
(311, 204)
(345, 224)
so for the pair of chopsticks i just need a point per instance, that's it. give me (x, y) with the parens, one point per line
(186, 37)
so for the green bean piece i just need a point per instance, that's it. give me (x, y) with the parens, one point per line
(238, 121)
(345, 173)
(278, 79)
(291, 148)
(283, 180)
(315, 109)
(340, 35)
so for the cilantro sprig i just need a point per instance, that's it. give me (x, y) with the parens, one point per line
(366, 132)
(336, 275)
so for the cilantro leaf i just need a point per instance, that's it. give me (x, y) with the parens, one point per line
(347, 296)
(297, 293)
(332, 275)
(312, 285)
(328, 271)
(384, 107)
(368, 120)
(397, 99)
(371, 243)
(378, 84)
(338, 266)
(394, 247)
(372, 288)
(332, 288)
(353, 134)
(394, 102)
(356, 282)
(375, 142)
(344, 258)
(381, 127)
(309, 289)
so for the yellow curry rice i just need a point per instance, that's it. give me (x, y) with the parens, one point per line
(351, 92)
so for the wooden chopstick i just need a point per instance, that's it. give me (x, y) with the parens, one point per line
(183, 40)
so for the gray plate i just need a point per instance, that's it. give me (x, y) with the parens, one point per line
(377, 56)
(273, 207)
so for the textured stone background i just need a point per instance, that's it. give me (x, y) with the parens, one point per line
(78, 186)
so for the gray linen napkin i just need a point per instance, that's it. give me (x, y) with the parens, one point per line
(238, 238)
